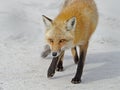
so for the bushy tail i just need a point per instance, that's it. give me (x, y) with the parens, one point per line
(46, 51)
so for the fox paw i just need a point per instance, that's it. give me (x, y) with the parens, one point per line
(75, 81)
(50, 73)
(59, 69)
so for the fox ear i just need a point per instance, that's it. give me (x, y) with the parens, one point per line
(47, 21)
(71, 24)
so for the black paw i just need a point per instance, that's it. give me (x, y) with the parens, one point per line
(59, 69)
(75, 81)
(50, 73)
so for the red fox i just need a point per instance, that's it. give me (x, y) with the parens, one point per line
(72, 28)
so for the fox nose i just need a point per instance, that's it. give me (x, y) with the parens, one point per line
(54, 54)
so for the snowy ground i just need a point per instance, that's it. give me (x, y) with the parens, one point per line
(22, 40)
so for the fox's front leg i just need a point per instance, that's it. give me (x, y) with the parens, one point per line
(56, 64)
(83, 51)
(52, 67)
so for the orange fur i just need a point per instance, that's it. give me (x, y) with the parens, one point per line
(86, 15)
(72, 28)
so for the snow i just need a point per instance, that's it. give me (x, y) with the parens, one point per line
(22, 41)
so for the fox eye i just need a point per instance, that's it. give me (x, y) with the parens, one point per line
(62, 40)
(51, 41)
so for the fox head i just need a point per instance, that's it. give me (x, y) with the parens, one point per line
(59, 34)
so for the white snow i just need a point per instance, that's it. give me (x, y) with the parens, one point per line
(22, 40)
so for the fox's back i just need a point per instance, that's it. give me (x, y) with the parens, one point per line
(87, 17)
(77, 8)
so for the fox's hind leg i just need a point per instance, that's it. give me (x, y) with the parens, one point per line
(60, 62)
(75, 55)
